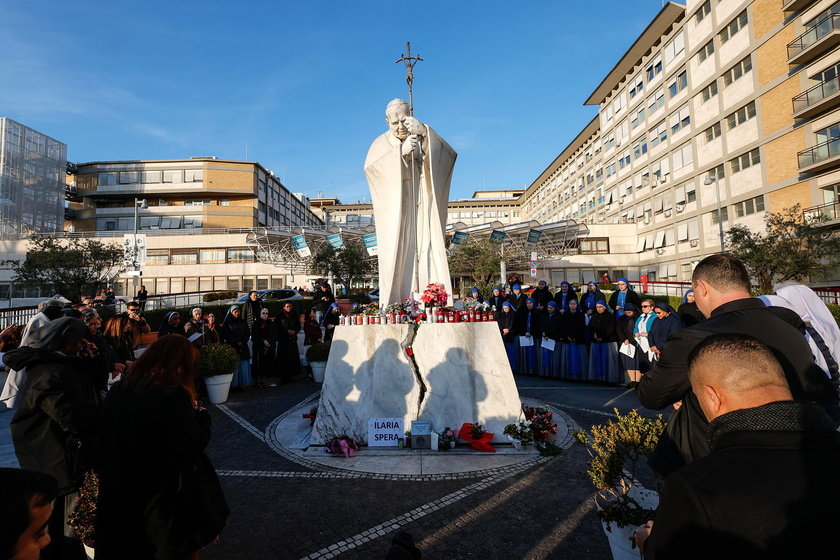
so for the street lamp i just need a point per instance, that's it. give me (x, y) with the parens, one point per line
(708, 181)
(138, 203)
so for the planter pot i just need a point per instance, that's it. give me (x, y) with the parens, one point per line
(318, 370)
(619, 537)
(218, 387)
(517, 443)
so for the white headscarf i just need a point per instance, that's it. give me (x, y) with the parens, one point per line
(817, 317)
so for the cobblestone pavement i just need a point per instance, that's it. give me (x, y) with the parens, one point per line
(284, 509)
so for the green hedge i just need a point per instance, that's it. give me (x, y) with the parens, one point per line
(155, 316)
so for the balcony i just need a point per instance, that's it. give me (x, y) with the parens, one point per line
(818, 99)
(829, 213)
(820, 157)
(794, 5)
(815, 42)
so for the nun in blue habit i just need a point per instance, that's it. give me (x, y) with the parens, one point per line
(552, 329)
(575, 351)
(603, 352)
(624, 294)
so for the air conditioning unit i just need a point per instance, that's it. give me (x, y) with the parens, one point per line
(694, 243)
(660, 251)
(662, 180)
(667, 213)
(647, 220)
(618, 143)
(680, 207)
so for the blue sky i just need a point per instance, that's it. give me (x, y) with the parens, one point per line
(301, 87)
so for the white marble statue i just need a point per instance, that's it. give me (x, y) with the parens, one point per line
(409, 169)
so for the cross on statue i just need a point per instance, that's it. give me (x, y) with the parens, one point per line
(410, 61)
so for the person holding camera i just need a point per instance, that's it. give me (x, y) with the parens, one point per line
(137, 324)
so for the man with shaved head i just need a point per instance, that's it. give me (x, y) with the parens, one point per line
(766, 489)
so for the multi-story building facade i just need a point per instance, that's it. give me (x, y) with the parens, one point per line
(32, 170)
(721, 111)
(195, 193)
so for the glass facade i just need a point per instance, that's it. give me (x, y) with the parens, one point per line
(32, 172)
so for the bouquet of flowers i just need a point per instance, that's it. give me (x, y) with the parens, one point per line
(541, 424)
(434, 295)
(395, 308)
(477, 431)
(371, 308)
(450, 434)
(522, 431)
(483, 307)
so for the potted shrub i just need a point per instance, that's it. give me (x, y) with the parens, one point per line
(616, 450)
(217, 364)
(317, 356)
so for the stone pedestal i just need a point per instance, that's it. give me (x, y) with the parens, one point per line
(459, 373)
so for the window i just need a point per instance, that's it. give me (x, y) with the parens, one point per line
(709, 91)
(172, 176)
(240, 255)
(638, 117)
(622, 130)
(127, 177)
(735, 73)
(157, 257)
(150, 177)
(712, 132)
(193, 175)
(678, 83)
(107, 179)
(656, 101)
(619, 102)
(718, 172)
(184, 256)
(173, 222)
(675, 47)
(724, 212)
(206, 256)
(683, 156)
(733, 27)
(680, 120)
(637, 86)
(658, 134)
(654, 68)
(750, 206)
(607, 114)
(149, 222)
(192, 222)
(224, 202)
(640, 147)
(690, 193)
(741, 116)
(595, 246)
(197, 202)
(707, 51)
(660, 169)
(703, 11)
(624, 160)
(744, 161)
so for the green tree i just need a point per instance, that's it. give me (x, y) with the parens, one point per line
(73, 268)
(346, 264)
(480, 257)
(793, 247)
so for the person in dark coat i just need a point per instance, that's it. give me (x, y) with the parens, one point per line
(263, 353)
(507, 326)
(667, 322)
(312, 333)
(142, 297)
(287, 326)
(196, 326)
(528, 325)
(563, 297)
(330, 321)
(159, 496)
(171, 324)
(496, 300)
(688, 311)
(624, 333)
(324, 298)
(541, 296)
(592, 296)
(517, 298)
(235, 333)
(55, 430)
(117, 333)
(722, 289)
(551, 330)
(476, 296)
(251, 308)
(762, 490)
(104, 365)
(624, 294)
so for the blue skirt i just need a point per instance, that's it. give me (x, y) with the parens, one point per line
(603, 362)
(242, 375)
(575, 361)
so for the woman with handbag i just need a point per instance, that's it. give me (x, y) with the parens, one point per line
(159, 497)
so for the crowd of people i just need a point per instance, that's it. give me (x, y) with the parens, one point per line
(586, 337)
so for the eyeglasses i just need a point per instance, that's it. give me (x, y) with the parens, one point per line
(643, 306)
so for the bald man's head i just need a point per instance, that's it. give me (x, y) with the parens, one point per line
(731, 372)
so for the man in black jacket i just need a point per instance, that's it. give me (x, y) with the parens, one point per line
(56, 427)
(722, 291)
(763, 489)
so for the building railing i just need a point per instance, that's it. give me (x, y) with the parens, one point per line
(811, 37)
(830, 210)
(819, 153)
(815, 94)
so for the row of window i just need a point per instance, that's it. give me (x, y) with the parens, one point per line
(149, 222)
(162, 257)
(151, 177)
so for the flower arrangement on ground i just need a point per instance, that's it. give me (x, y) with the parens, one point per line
(521, 431)
(396, 308)
(476, 431)
(434, 295)
(371, 308)
(83, 517)
(540, 422)
(342, 445)
(450, 434)
(477, 436)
